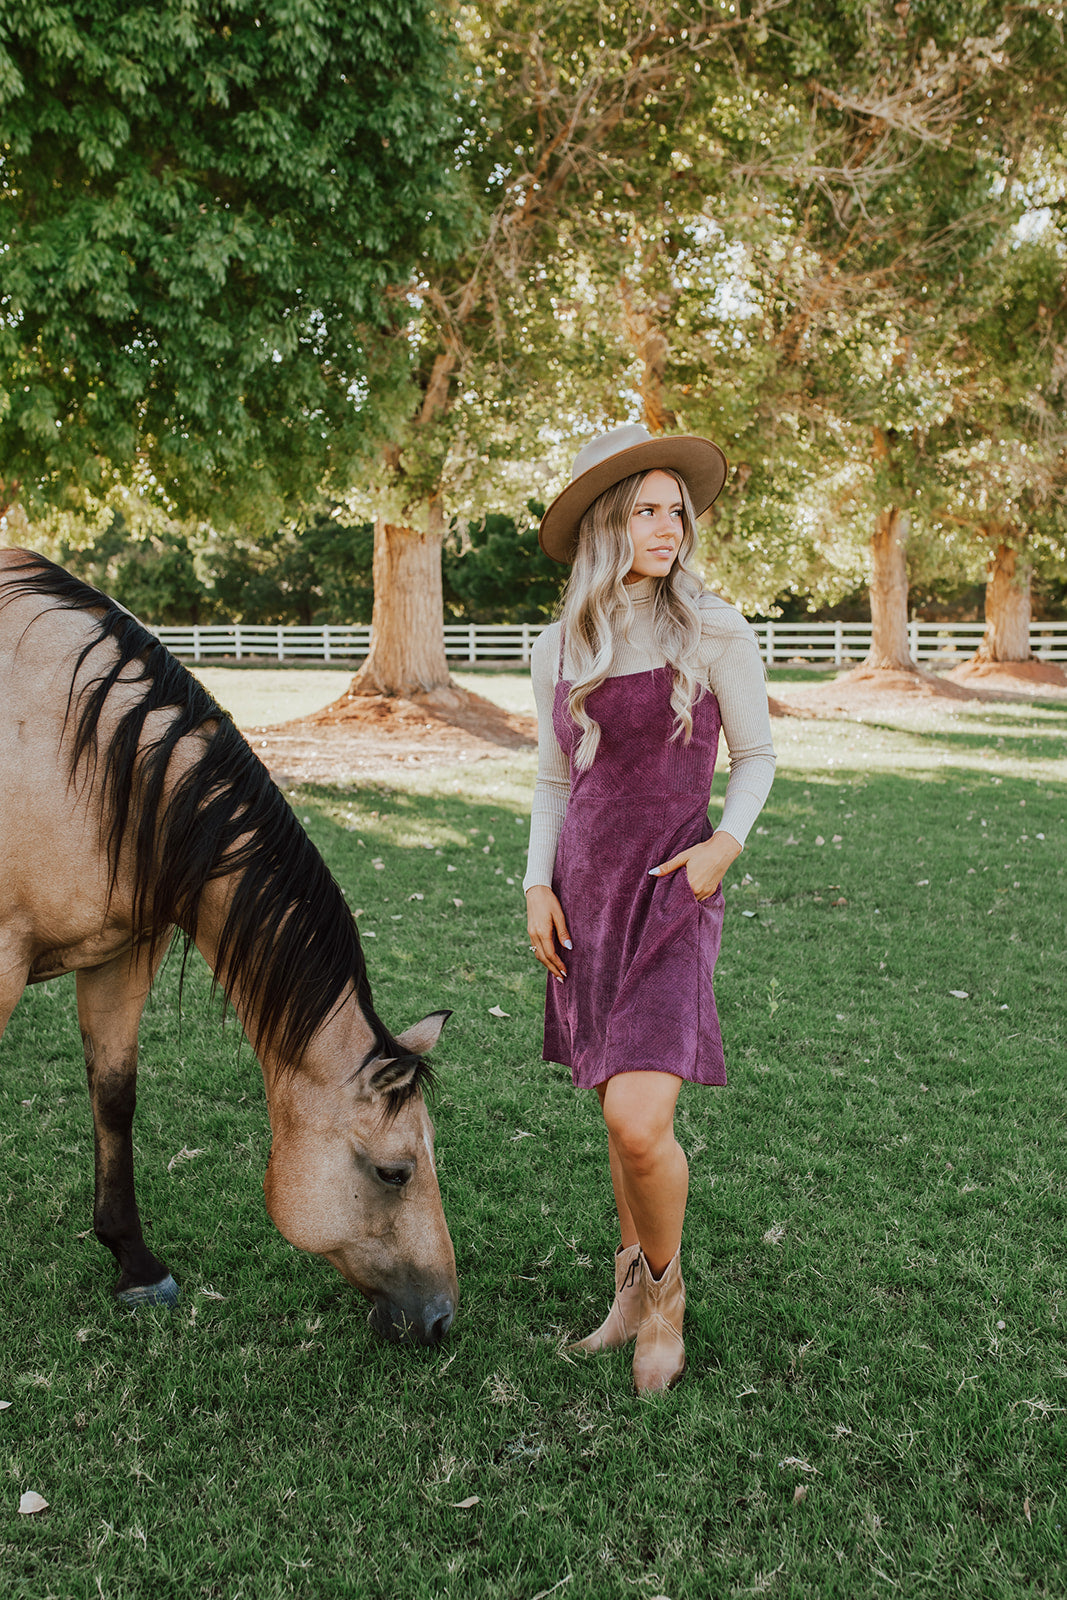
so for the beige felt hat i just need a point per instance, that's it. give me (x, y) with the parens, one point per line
(615, 455)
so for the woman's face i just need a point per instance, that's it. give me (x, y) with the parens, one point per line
(656, 527)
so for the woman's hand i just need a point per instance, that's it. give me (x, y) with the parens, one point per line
(547, 928)
(705, 864)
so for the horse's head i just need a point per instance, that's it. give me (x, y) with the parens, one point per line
(351, 1174)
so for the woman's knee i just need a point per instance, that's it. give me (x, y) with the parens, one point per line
(639, 1113)
(640, 1140)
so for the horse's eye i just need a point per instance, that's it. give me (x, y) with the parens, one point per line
(395, 1177)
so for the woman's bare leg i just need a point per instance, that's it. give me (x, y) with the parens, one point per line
(627, 1226)
(649, 1172)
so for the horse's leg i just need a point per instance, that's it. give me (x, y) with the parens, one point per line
(13, 978)
(9, 999)
(111, 999)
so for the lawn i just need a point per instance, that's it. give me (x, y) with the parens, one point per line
(877, 1327)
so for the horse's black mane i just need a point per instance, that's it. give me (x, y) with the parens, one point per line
(289, 939)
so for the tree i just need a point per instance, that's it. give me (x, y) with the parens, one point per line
(207, 205)
(570, 110)
(812, 312)
(1008, 486)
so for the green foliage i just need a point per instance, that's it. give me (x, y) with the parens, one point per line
(154, 576)
(318, 573)
(206, 207)
(499, 572)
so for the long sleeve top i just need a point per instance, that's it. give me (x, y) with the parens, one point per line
(730, 667)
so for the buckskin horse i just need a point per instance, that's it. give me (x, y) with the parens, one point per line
(131, 807)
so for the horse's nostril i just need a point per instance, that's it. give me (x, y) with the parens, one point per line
(438, 1320)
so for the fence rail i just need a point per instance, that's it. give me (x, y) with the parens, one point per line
(779, 642)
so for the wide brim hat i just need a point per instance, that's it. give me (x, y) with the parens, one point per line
(618, 454)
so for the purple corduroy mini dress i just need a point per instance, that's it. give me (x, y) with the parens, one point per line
(638, 994)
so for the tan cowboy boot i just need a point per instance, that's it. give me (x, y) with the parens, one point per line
(659, 1359)
(620, 1324)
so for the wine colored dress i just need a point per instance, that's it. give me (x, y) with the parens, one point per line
(638, 994)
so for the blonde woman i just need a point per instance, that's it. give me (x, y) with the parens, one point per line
(623, 886)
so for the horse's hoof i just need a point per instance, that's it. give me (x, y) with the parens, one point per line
(150, 1294)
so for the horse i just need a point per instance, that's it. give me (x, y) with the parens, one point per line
(132, 811)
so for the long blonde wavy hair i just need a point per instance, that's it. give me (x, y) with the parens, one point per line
(596, 610)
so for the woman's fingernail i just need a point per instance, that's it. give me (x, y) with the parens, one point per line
(558, 978)
(567, 945)
(653, 872)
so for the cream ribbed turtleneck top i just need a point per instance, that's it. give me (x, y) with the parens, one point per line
(733, 672)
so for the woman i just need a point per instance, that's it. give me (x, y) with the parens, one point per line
(624, 904)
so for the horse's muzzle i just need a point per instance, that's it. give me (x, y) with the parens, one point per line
(426, 1323)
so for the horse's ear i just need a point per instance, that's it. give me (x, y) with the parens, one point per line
(422, 1036)
(392, 1072)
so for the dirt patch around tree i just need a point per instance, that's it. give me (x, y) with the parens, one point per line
(1012, 675)
(890, 690)
(365, 737)
(368, 738)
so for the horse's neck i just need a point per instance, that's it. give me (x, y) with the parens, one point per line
(212, 909)
(344, 1036)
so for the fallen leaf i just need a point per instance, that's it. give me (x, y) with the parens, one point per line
(415, 897)
(31, 1502)
(748, 913)
(800, 1493)
(5, 1405)
(543, 1594)
(819, 839)
(960, 994)
(465, 1505)
(457, 902)
(495, 1011)
(184, 1154)
(841, 902)
(1026, 1510)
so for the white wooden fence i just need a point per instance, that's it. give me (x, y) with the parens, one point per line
(837, 642)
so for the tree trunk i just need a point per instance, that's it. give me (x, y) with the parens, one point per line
(889, 593)
(407, 653)
(1007, 606)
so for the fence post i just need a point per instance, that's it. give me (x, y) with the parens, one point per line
(281, 644)
(472, 642)
(768, 652)
(237, 641)
(196, 642)
(839, 644)
(526, 644)
(326, 643)
(913, 640)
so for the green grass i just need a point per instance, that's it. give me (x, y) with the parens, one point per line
(874, 1254)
